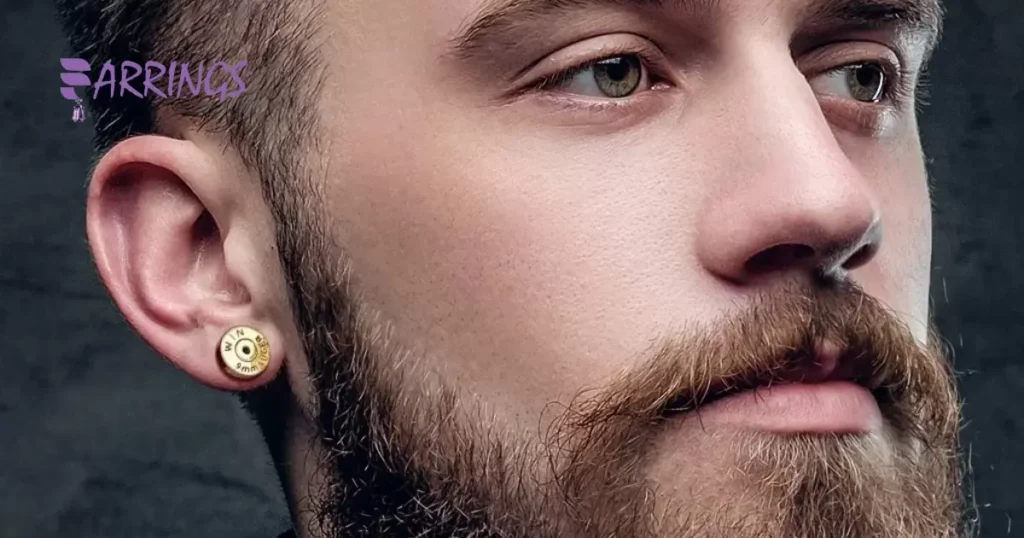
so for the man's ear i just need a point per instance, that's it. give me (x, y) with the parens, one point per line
(180, 249)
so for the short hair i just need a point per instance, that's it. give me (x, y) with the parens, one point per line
(271, 125)
(282, 75)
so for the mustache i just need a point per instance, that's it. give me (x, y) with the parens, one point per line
(769, 342)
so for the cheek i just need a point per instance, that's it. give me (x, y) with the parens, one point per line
(525, 273)
(901, 273)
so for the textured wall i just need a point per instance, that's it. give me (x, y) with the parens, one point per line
(100, 438)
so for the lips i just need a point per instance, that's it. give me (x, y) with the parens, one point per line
(826, 362)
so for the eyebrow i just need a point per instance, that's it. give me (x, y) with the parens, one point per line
(916, 14)
(497, 22)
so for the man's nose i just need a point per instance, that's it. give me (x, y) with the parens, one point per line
(786, 197)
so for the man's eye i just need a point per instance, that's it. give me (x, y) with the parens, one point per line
(868, 82)
(616, 77)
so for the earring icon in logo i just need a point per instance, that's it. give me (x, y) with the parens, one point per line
(78, 114)
(76, 76)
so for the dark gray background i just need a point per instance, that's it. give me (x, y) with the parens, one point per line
(101, 438)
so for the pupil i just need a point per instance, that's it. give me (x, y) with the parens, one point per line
(616, 69)
(868, 75)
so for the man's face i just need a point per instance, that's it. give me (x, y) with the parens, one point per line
(584, 224)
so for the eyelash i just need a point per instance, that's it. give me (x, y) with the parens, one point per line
(651, 62)
(902, 90)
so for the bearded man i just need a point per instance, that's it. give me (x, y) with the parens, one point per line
(545, 268)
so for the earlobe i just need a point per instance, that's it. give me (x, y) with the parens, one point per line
(155, 215)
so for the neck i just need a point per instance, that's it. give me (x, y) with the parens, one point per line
(297, 468)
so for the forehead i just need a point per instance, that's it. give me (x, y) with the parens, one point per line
(482, 27)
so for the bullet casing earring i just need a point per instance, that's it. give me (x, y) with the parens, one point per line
(244, 352)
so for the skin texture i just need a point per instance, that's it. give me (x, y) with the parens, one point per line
(473, 255)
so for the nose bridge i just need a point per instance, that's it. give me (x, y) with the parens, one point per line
(787, 192)
(776, 116)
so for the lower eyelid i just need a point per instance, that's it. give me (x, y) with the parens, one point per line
(602, 110)
(863, 118)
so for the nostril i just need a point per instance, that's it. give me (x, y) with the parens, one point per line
(779, 257)
(861, 257)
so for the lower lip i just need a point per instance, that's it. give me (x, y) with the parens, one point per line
(833, 407)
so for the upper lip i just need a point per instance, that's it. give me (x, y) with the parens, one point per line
(826, 363)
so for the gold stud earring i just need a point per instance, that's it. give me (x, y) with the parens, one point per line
(244, 352)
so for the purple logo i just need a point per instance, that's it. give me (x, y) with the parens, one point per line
(128, 77)
(76, 77)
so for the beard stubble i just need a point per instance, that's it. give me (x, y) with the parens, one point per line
(403, 454)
